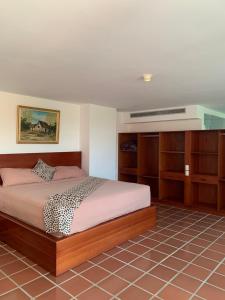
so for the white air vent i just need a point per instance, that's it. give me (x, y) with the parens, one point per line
(157, 115)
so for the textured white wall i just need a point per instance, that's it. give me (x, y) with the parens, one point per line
(98, 140)
(69, 124)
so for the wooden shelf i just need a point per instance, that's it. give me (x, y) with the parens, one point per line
(204, 179)
(150, 135)
(205, 153)
(172, 175)
(149, 176)
(131, 151)
(172, 152)
(128, 171)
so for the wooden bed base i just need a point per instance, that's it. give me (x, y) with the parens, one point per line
(57, 255)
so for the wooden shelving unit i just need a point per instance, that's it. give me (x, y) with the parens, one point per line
(172, 159)
(148, 161)
(127, 158)
(204, 169)
(160, 162)
(221, 198)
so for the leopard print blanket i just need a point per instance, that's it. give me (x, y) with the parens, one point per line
(59, 208)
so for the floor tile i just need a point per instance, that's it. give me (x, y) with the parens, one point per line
(134, 293)
(196, 272)
(59, 279)
(37, 286)
(75, 285)
(25, 276)
(163, 272)
(14, 267)
(174, 263)
(15, 295)
(83, 267)
(6, 285)
(143, 264)
(111, 264)
(54, 294)
(187, 283)
(171, 292)
(94, 293)
(113, 284)
(210, 292)
(6, 259)
(150, 283)
(126, 256)
(95, 274)
(129, 273)
(138, 249)
(218, 280)
(221, 270)
(205, 262)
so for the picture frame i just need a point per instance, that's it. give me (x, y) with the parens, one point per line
(37, 125)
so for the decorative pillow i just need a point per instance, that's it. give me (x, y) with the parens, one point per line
(64, 172)
(43, 170)
(15, 176)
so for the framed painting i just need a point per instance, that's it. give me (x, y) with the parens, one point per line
(37, 125)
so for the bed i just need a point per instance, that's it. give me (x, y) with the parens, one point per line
(95, 229)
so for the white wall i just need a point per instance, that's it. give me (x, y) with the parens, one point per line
(69, 124)
(99, 150)
(84, 135)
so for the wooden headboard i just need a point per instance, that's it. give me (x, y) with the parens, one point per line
(28, 160)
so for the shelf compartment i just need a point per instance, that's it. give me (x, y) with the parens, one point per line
(172, 141)
(172, 175)
(204, 195)
(128, 160)
(204, 164)
(172, 163)
(128, 178)
(205, 141)
(172, 190)
(128, 171)
(148, 154)
(152, 182)
(221, 201)
(222, 156)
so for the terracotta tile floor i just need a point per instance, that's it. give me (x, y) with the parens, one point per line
(183, 257)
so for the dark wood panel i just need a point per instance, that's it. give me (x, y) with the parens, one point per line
(28, 160)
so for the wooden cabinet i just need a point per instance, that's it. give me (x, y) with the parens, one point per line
(184, 167)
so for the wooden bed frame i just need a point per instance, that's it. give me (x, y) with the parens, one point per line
(57, 255)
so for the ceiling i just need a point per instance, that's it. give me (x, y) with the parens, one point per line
(95, 51)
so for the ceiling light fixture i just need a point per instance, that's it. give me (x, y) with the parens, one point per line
(147, 77)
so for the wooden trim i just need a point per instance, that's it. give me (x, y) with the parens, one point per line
(59, 255)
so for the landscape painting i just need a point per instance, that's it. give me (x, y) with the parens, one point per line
(37, 125)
